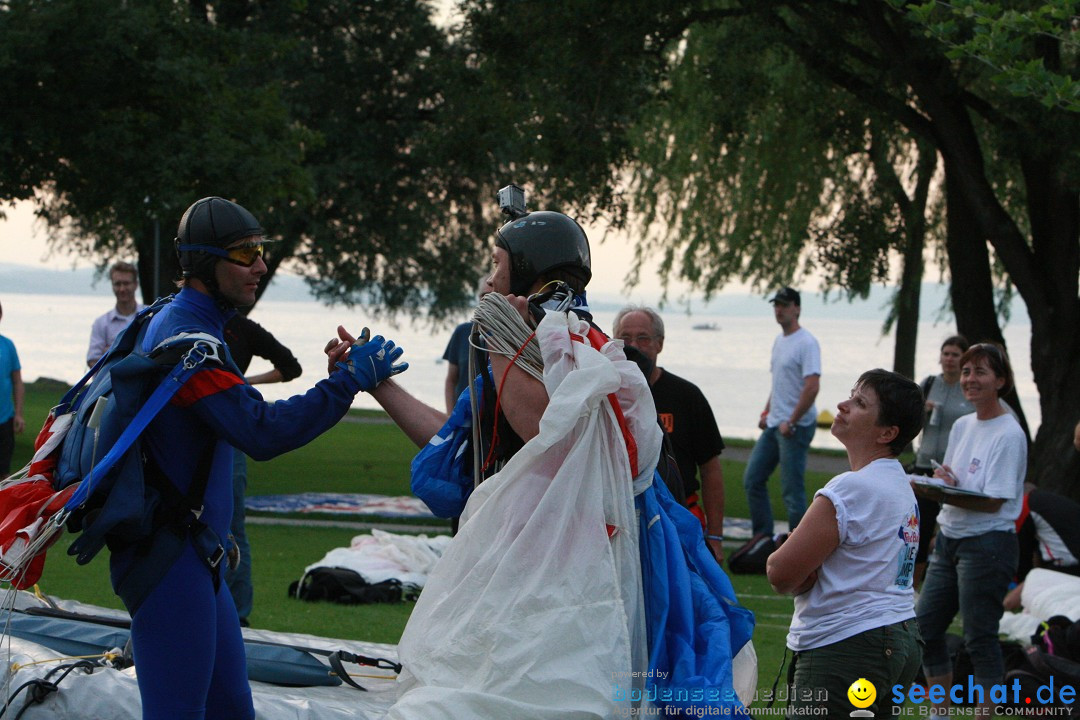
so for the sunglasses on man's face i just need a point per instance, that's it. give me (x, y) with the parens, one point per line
(243, 255)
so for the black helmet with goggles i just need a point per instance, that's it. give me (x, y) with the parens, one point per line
(206, 231)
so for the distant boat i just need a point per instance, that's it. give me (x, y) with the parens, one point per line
(707, 326)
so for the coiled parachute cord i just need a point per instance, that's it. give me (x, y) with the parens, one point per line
(506, 333)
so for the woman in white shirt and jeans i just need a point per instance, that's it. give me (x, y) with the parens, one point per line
(976, 552)
(850, 561)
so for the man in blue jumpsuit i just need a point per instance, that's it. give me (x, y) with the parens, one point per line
(189, 651)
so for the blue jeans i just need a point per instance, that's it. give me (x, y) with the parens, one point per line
(239, 580)
(970, 575)
(789, 453)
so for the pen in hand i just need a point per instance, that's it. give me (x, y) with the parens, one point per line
(943, 472)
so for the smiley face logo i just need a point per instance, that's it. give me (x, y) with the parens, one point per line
(862, 693)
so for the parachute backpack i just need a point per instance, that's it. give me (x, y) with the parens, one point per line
(88, 447)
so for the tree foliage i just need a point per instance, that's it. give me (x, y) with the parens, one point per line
(1031, 48)
(326, 118)
(133, 111)
(730, 155)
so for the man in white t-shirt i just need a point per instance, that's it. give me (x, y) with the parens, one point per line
(125, 281)
(789, 419)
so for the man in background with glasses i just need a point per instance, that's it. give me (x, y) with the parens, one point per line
(125, 281)
(687, 419)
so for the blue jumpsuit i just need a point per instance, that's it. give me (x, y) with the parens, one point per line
(189, 652)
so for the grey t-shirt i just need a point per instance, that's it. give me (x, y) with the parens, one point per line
(950, 407)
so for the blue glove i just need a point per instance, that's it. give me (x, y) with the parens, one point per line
(372, 362)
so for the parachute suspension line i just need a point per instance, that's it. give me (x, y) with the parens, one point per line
(40, 688)
(506, 334)
(474, 404)
(498, 403)
(109, 656)
(7, 607)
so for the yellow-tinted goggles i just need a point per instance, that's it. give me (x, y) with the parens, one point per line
(244, 255)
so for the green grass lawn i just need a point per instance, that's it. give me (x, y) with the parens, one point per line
(361, 457)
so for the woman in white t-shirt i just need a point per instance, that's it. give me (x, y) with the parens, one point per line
(850, 561)
(976, 551)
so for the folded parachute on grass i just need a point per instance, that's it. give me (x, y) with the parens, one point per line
(537, 608)
(291, 673)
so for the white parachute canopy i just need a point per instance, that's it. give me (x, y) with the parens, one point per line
(535, 609)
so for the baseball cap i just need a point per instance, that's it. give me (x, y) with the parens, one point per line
(787, 295)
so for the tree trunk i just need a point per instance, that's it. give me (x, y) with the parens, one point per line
(913, 211)
(909, 297)
(907, 307)
(972, 288)
(166, 262)
(1054, 211)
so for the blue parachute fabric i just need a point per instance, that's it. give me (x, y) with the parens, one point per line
(67, 637)
(695, 624)
(442, 470)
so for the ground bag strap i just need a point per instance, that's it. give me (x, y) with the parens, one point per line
(176, 519)
(338, 659)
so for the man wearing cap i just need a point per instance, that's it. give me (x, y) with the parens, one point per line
(789, 419)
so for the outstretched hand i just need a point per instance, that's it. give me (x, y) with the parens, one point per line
(337, 349)
(369, 361)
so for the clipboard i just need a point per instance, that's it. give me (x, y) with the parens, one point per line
(949, 489)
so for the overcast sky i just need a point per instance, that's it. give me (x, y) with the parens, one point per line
(22, 241)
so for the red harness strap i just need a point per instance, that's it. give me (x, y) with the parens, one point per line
(1024, 512)
(203, 384)
(597, 339)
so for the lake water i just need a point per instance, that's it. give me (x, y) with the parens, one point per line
(730, 364)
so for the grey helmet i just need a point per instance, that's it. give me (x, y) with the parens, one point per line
(543, 241)
(211, 222)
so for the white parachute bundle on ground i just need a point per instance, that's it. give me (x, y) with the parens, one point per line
(381, 555)
(1046, 593)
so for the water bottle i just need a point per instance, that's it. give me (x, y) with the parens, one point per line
(935, 415)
